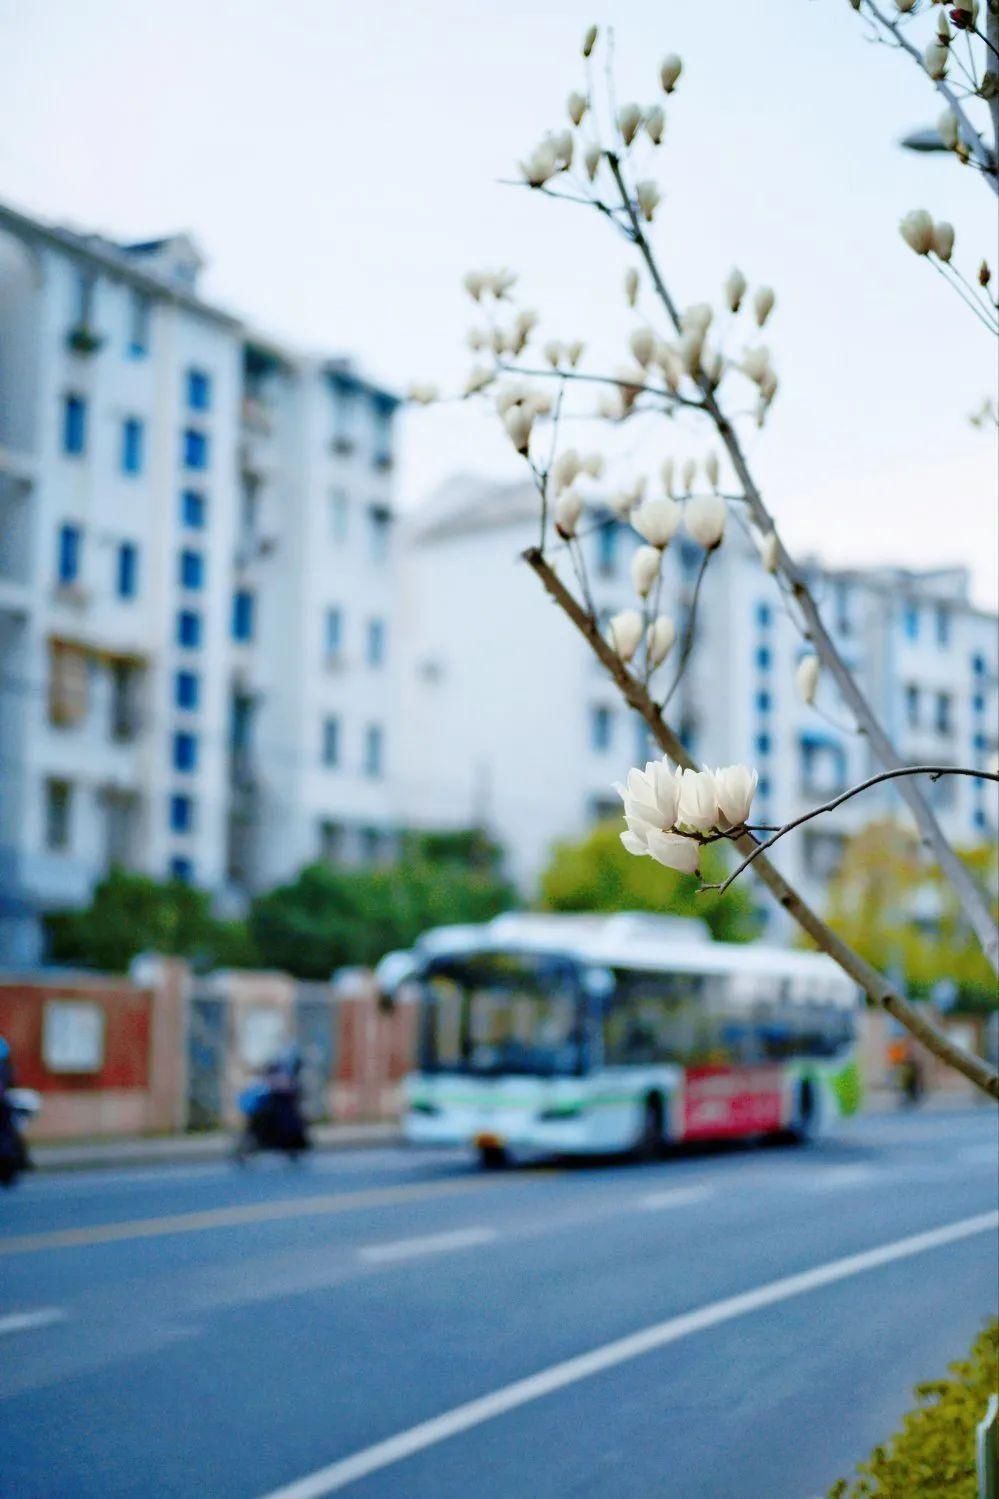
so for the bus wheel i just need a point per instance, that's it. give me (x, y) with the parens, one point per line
(492, 1157)
(650, 1140)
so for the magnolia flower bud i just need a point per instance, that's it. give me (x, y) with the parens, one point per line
(645, 565)
(659, 639)
(574, 352)
(697, 318)
(949, 131)
(904, 5)
(541, 403)
(610, 407)
(563, 143)
(735, 787)
(501, 282)
(711, 367)
(735, 289)
(984, 274)
(631, 286)
(589, 40)
(626, 633)
(629, 117)
(917, 231)
(943, 26)
(935, 58)
(474, 283)
(498, 341)
(768, 386)
(666, 474)
(476, 339)
(671, 364)
(541, 164)
(591, 161)
(565, 469)
(669, 71)
(647, 196)
(656, 521)
(763, 303)
(688, 474)
(518, 422)
(655, 124)
(423, 394)
(642, 344)
(672, 850)
(576, 105)
(943, 239)
(478, 379)
(621, 502)
(552, 351)
(697, 808)
(593, 465)
(806, 678)
(756, 363)
(769, 552)
(705, 519)
(690, 349)
(711, 469)
(568, 509)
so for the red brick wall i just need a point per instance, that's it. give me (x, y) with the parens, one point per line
(127, 1016)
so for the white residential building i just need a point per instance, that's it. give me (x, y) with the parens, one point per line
(196, 584)
(510, 720)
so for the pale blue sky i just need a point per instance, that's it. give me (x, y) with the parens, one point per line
(338, 164)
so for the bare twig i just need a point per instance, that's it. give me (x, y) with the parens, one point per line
(688, 638)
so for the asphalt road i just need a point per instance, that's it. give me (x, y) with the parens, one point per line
(743, 1324)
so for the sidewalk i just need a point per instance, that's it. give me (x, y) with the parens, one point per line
(213, 1145)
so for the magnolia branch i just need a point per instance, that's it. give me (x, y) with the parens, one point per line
(873, 983)
(933, 771)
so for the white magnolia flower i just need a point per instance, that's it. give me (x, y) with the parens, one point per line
(645, 564)
(697, 318)
(659, 640)
(705, 518)
(478, 379)
(576, 105)
(769, 552)
(563, 143)
(647, 196)
(518, 422)
(917, 231)
(904, 5)
(735, 787)
(625, 632)
(948, 127)
(629, 118)
(697, 808)
(735, 289)
(642, 344)
(589, 40)
(591, 161)
(690, 349)
(500, 283)
(631, 286)
(711, 366)
(568, 509)
(935, 59)
(806, 678)
(515, 393)
(768, 387)
(593, 465)
(943, 26)
(656, 521)
(565, 468)
(763, 303)
(574, 352)
(688, 474)
(655, 124)
(673, 851)
(423, 393)
(622, 502)
(666, 474)
(756, 363)
(669, 71)
(474, 283)
(711, 469)
(671, 364)
(650, 798)
(541, 165)
(476, 339)
(552, 351)
(943, 239)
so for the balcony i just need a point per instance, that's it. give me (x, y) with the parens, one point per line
(84, 340)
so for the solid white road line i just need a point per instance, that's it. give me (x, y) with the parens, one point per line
(405, 1249)
(836, 1178)
(348, 1470)
(22, 1321)
(675, 1197)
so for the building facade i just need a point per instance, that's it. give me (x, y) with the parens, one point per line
(196, 578)
(536, 758)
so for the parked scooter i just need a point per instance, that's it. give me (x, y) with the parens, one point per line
(17, 1106)
(272, 1111)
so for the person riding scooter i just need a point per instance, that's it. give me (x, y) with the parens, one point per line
(273, 1108)
(15, 1104)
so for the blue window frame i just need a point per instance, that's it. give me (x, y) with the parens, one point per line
(980, 819)
(379, 527)
(374, 745)
(980, 743)
(74, 425)
(127, 581)
(763, 657)
(243, 612)
(978, 665)
(376, 642)
(601, 729)
(185, 751)
(191, 569)
(139, 311)
(607, 548)
(195, 448)
(69, 553)
(763, 787)
(181, 814)
(763, 701)
(763, 744)
(192, 509)
(333, 631)
(199, 390)
(182, 869)
(764, 614)
(331, 741)
(187, 689)
(978, 703)
(943, 625)
(910, 621)
(132, 444)
(189, 629)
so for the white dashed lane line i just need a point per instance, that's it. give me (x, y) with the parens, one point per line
(25, 1321)
(406, 1249)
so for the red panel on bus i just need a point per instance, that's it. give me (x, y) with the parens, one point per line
(720, 1102)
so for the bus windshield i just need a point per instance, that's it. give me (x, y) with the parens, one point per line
(497, 1014)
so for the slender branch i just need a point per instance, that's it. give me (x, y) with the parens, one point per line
(874, 984)
(933, 771)
(688, 639)
(956, 283)
(615, 380)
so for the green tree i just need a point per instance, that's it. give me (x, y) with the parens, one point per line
(597, 874)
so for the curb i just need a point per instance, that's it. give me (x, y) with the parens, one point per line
(190, 1149)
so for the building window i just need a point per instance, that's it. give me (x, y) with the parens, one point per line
(331, 742)
(910, 621)
(139, 311)
(978, 703)
(333, 632)
(601, 729)
(912, 706)
(978, 665)
(980, 820)
(373, 750)
(823, 766)
(331, 840)
(132, 442)
(608, 538)
(339, 510)
(980, 743)
(74, 425)
(763, 788)
(763, 702)
(199, 390)
(185, 751)
(126, 682)
(69, 554)
(379, 522)
(187, 689)
(192, 509)
(763, 615)
(372, 845)
(763, 744)
(763, 657)
(195, 449)
(243, 611)
(181, 814)
(942, 717)
(189, 629)
(376, 642)
(69, 684)
(127, 579)
(182, 870)
(823, 853)
(58, 810)
(943, 625)
(191, 569)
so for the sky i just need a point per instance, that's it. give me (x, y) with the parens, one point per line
(342, 166)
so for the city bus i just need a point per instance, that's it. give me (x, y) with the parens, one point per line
(586, 1035)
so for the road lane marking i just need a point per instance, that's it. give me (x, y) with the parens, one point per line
(405, 1249)
(23, 1321)
(836, 1178)
(348, 1470)
(674, 1197)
